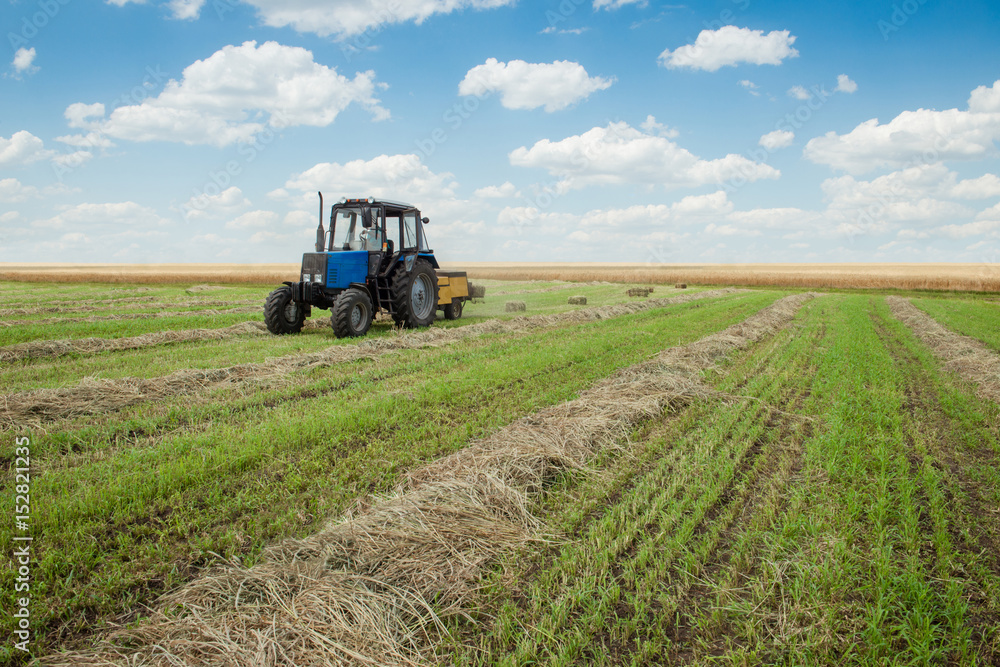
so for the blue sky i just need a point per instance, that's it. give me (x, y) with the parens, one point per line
(597, 130)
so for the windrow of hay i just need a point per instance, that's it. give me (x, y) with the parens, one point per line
(369, 587)
(133, 316)
(116, 304)
(56, 348)
(92, 396)
(967, 357)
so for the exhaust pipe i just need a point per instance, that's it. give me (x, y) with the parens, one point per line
(320, 234)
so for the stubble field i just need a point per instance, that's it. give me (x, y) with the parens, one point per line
(724, 476)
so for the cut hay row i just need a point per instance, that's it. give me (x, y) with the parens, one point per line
(132, 316)
(372, 587)
(93, 396)
(967, 357)
(74, 307)
(553, 288)
(56, 348)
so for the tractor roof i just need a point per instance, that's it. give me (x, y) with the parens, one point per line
(373, 200)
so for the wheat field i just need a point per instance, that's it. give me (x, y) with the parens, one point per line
(982, 277)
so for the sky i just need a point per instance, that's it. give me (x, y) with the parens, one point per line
(562, 131)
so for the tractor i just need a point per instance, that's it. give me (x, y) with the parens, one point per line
(374, 257)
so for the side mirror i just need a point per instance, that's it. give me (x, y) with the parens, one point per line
(425, 220)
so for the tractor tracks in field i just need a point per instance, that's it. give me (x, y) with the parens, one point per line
(132, 316)
(93, 396)
(372, 586)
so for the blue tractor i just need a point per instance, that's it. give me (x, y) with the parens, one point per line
(375, 256)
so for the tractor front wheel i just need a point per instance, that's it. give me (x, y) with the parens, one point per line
(282, 315)
(414, 294)
(352, 313)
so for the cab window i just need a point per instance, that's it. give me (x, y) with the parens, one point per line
(410, 230)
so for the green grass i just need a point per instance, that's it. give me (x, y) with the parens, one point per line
(977, 319)
(135, 502)
(817, 523)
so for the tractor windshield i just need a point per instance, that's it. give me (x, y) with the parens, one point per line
(347, 228)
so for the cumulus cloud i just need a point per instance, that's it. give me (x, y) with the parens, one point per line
(621, 154)
(524, 85)
(23, 62)
(772, 141)
(186, 9)
(799, 93)
(913, 137)
(987, 185)
(12, 191)
(225, 204)
(118, 215)
(730, 46)
(220, 100)
(264, 220)
(22, 148)
(496, 191)
(845, 85)
(351, 17)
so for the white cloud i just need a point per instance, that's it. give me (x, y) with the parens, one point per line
(254, 220)
(24, 61)
(772, 141)
(72, 160)
(912, 137)
(630, 217)
(496, 191)
(12, 191)
(845, 85)
(751, 87)
(83, 217)
(89, 140)
(9, 216)
(562, 31)
(799, 93)
(651, 126)
(79, 115)
(22, 148)
(729, 46)
(621, 154)
(186, 9)
(351, 17)
(987, 185)
(616, 4)
(400, 177)
(524, 85)
(225, 204)
(220, 100)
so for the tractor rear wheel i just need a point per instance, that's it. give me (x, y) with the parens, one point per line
(352, 313)
(414, 294)
(282, 315)
(453, 310)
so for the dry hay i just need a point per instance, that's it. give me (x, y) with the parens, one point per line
(112, 304)
(372, 587)
(56, 348)
(203, 288)
(577, 301)
(515, 306)
(92, 396)
(681, 286)
(639, 291)
(132, 316)
(477, 291)
(968, 357)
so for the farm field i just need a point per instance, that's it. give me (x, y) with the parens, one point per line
(977, 277)
(703, 476)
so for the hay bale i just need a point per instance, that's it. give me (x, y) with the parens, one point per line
(639, 291)
(477, 291)
(577, 301)
(681, 286)
(515, 306)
